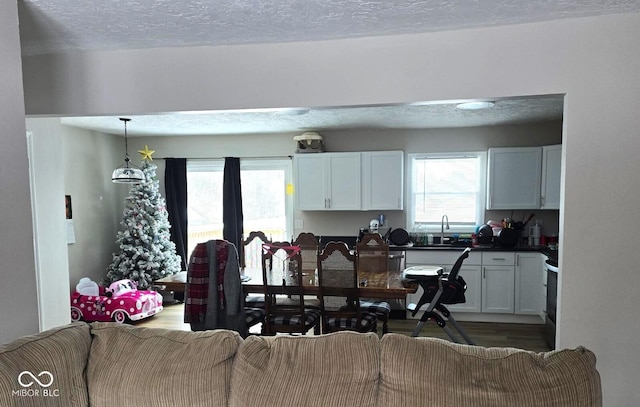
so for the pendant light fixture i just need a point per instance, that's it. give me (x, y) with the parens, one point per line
(127, 173)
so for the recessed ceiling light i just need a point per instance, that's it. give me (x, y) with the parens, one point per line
(475, 105)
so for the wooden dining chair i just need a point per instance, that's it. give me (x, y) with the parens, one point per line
(251, 255)
(373, 257)
(217, 306)
(282, 278)
(308, 243)
(251, 259)
(339, 294)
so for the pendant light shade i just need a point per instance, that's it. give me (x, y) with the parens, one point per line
(127, 173)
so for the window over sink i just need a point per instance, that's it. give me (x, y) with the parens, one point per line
(451, 184)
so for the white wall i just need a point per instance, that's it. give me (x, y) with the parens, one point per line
(595, 61)
(47, 198)
(18, 295)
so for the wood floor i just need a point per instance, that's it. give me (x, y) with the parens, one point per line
(523, 336)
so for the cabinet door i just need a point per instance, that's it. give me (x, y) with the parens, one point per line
(344, 174)
(551, 162)
(310, 184)
(382, 180)
(514, 178)
(472, 276)
(498, 289)
(528, 298)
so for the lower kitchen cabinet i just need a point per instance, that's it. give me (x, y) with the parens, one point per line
(497, 282)
(472, 276)
(498, 289)
(528, 299)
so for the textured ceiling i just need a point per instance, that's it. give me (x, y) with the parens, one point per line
(432, 115)
(52, 26)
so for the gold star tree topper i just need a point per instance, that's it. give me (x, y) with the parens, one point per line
(146, 153)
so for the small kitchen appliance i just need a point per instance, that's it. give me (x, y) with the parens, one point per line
(534, 235)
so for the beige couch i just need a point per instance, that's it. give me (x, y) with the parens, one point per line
(106, 364)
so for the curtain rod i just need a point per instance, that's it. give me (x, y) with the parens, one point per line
(222, 158)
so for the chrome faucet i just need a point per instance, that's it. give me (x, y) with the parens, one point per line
(442, 225)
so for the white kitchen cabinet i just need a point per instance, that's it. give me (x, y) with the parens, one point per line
(528, 296)
(310, 182)
(382, 180)
(513, 178)
(498, 282)
(328, 181)
(550, 182)
(473, 277)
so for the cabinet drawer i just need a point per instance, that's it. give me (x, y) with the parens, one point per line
(439, 257)
(498, 258)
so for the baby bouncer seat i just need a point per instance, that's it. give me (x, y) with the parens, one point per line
(439, 289)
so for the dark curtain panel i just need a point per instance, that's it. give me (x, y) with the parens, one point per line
(232, 203)
(175, 184)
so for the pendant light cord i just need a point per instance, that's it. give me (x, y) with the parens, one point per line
(126, 143)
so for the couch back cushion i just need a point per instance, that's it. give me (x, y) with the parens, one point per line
(338, 369)
(136, 366)
(46, 369)
(434, 372)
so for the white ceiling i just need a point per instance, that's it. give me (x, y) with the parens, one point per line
(52, 26)
(431, 115)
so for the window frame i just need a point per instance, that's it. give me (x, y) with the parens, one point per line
(481, 200)
(248, 164)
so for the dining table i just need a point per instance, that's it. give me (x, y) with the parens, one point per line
(382, 285)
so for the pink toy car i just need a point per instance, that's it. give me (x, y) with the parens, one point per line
(119, 302)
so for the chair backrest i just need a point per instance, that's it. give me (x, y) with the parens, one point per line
(251, 256)
(282, 276)
(372, 254)
(309, 247)
(338, 281)
(453, 274)
(203, 285)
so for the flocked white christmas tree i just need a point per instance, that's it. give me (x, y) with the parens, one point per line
(146, 250)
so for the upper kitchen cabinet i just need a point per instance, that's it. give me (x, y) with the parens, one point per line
(513, 179)
(551, 160)
(372, 180)
(524, 178)
(382, 180)
(328, 181)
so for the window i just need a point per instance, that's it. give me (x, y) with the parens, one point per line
(447, 184)
(265, 203)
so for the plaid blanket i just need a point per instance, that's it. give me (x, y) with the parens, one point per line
(196, 297)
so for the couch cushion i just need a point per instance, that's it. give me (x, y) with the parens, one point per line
(339, 369)
(434, 372)
(53, 363)
(136, 366)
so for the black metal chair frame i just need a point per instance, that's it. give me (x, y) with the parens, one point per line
(439, 290)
